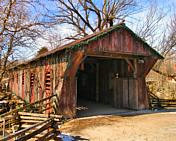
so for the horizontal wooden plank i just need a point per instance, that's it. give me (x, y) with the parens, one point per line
(26, 126)
(33, 118)
(44, 99)
(114, 55)
(28, 121)
(40, 115)
(9, 113)
(24, 130)
(37, 131)
(33, 114)
(23, 107)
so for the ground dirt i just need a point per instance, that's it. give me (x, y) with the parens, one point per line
(147, 127)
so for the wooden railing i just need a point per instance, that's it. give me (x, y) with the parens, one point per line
(38, 106)
(4, 96)
(8, 122)
(41, 105)
(30, 125)
(157, 103)
(15, 119)
(46, 130)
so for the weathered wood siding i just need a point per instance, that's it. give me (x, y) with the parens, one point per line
(61, 67)
(120, 42)
(39, 79)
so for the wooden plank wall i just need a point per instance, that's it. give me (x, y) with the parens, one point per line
(120, 41)
(132, 92)
(56, 65)
(122, 91)
(126, 93)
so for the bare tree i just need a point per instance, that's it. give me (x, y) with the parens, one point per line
(18, 28)
(158, 28)
(163, 38)
(168, 44)
(168, 48)
(53, 39)
(88, 16)
(150, 25)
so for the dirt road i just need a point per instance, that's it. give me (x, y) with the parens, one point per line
(148, 127)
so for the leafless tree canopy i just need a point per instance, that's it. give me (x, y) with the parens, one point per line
(159, 29)
(168, 44)
(18, 28)
(88, 16)
(168, 48)
(150, 24)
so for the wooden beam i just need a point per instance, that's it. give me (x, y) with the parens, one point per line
(68, 106)
(130, 64)
(113, 55)
(135, 68)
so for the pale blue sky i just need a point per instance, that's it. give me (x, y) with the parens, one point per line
(164, 5)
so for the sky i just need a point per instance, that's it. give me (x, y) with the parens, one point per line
(165, 5)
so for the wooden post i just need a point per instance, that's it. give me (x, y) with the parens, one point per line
(4, 127)
(67, 103)
(115, 86)
(97, 82)
(135, 68)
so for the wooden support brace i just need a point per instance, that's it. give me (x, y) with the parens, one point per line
(135, 68)
(130, 64)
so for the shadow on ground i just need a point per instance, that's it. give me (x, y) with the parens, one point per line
(144, 112)
(91, 109)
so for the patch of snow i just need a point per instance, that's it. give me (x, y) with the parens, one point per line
(66, 137)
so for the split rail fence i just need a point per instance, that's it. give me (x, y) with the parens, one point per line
(33, 122)
(157, 103)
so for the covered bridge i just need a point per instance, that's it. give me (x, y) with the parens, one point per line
(107, 67)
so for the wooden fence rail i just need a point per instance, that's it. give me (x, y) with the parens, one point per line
(157, 103)
(4, 96)
(31, 114)
(41, 105)
(35, 125)
(28, 107)
(23, 135)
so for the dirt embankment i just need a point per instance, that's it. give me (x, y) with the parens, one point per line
(149, 127)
